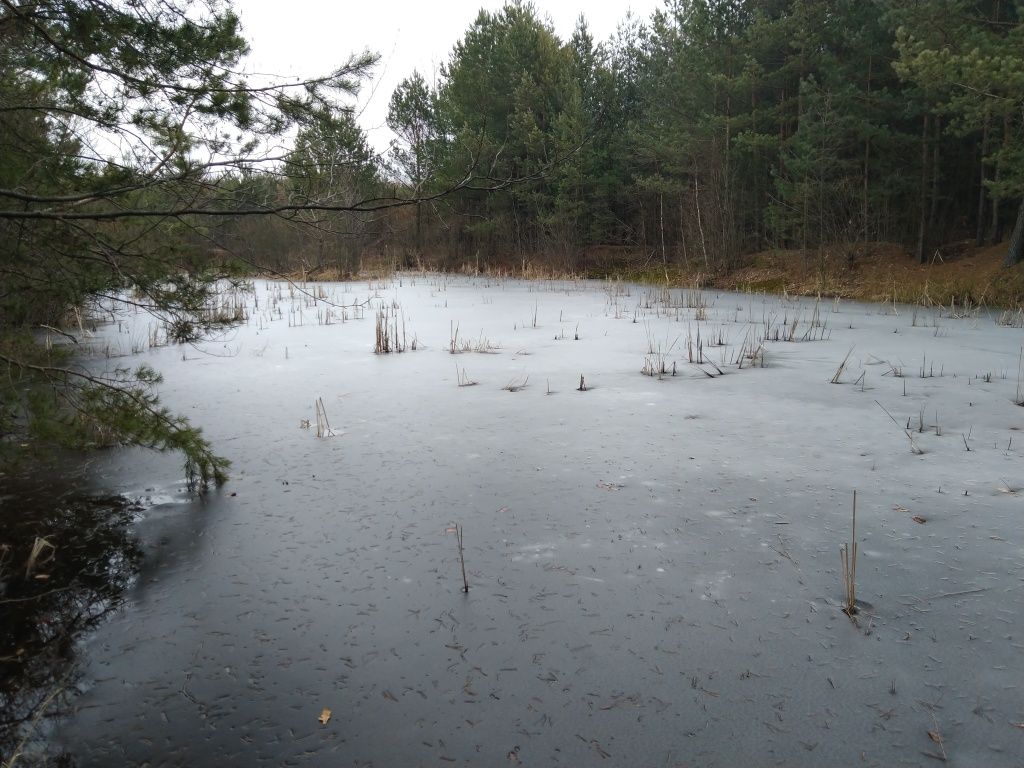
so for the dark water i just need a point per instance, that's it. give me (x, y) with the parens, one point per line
(86, 557)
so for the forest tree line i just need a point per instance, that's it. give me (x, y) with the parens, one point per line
(713, 129)
(142, 165)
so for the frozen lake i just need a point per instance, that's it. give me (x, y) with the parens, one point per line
(653, 562)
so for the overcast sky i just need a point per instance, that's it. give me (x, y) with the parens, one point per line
(302, 38)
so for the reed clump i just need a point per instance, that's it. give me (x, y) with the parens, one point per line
(389, 335)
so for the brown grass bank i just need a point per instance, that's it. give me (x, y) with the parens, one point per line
(958, 273)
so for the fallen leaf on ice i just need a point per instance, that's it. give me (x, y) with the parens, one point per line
(899, 508)
(935, 736)
(324, 716)
(918, 519)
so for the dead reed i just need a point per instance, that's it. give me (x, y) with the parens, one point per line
(516, 385)
(656, 359)
(388, 336)
(842, 367)
(458, 346)
(914, 448)
(1019, 399)
(462, 379)
(323, 426)
(462, 557)
(751, 351)
(42, 552)
(848, 557)
(1012, 318)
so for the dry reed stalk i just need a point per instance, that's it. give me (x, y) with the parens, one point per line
(913, 446)
(848, 557)
(323, 426)
(462, 557)
(462, 378)
(842, 367)
(1019, 400)
(516, 385)
(40, 546)
(388, 339)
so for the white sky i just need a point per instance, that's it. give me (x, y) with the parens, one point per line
(303, 38)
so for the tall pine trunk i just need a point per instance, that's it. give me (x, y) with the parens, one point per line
(922, 224)
(865, 220)
(934, 204)
(979, 237)
(995, 234)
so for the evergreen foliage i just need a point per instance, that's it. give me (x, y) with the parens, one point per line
(124, 127)
(722, 127)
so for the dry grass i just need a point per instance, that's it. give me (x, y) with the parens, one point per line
(960, 278)
(516, 385)
(1013, 318)
(459, 345)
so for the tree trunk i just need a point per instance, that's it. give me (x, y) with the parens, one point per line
(419, 230)
(661, 229)
(682, 232)
(1015, 253)
(995, 234)
(865, 221)
(758, 201)
(934, 204)
(922, 225)
(700, 225)
(979, 237)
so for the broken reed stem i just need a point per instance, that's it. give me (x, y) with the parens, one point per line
(848, 557)
(462, 378)
(454, 337)
(323, 426)
(462, 557)
(39, 546)
(1020, 369)
(913, 446)
(842, 367)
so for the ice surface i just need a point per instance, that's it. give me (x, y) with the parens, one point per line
(653, 562)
